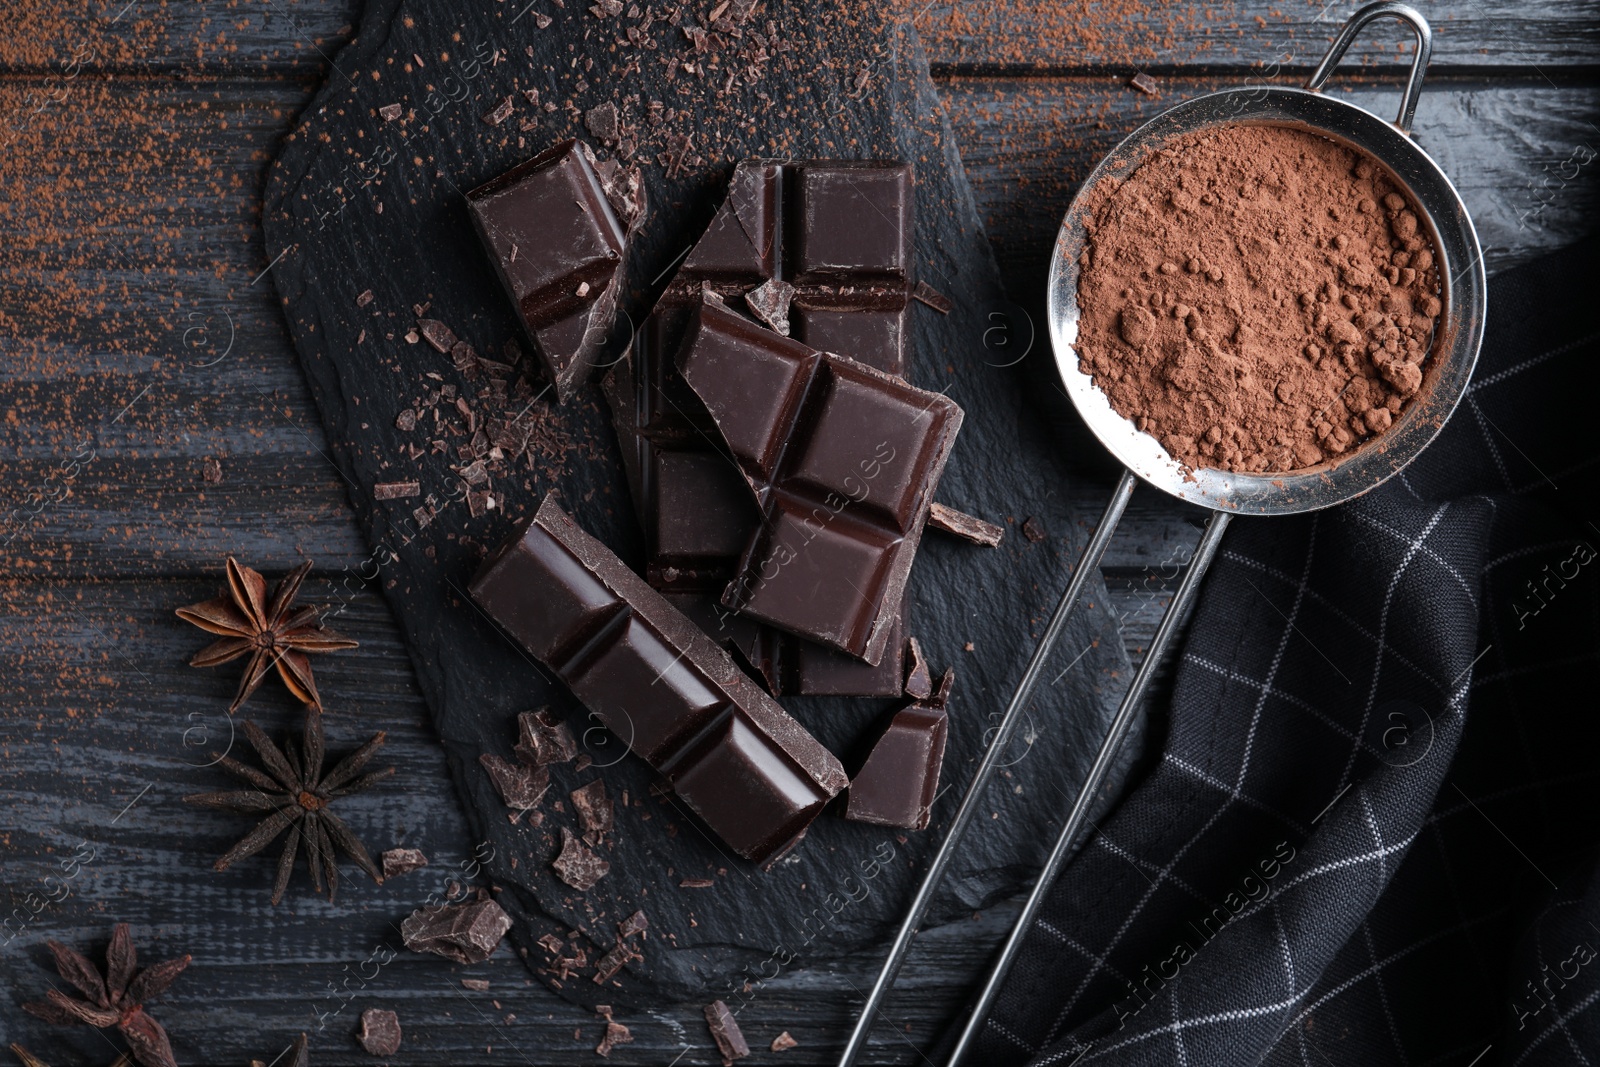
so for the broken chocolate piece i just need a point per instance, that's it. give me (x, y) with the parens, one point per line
(594, 809)
(1033, 530)
(477, 985)
(967, 527)
(616, 1034)
(725, 1032)
(612, 962)
(897, 783)
(544, 739)
(380, 1032)
(655, 680)
(578, 865)
(784, 1042)
(769, 302)
(398, 861)
(919, 681)
(519, 785)
(1145, 84)
(637, 923)
(466, 933)
(557, 244)
(396, 490)
(844, 460)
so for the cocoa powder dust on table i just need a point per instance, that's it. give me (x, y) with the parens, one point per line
(1256, 298)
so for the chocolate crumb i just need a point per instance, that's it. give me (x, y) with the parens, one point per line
(389, 112)
(210, 470)
(725, 1032)
(637, 923)
(551, 944)
(501, 111)
(364, 299)
(396, 490)
(1033, 530)
(783, 1042)
(577, 865)
(932, 297)
(1145, 84)
(380, 1032)
(542, 20)
(477, 985)
(613, 962)
(696, 883)
(399, 861)
(601, 121)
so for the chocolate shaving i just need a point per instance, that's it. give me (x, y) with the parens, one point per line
(967, 527)
(697, 883)
(927, 294)
(396, 490)
(577, 865)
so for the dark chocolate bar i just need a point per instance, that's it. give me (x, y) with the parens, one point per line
(557, 228)
(667, 690)
(843, 459)
(897, 784)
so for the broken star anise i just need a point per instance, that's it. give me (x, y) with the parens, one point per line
(114, 998)
(295, 795)
(271, 632)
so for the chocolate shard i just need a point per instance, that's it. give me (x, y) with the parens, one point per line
(736, 758)
(967, 527)
(919, 680)
(611, 964)
(844, 460)
(399, 861)
(557, 243)
(380, 1032)
(897, 783)
(594, 809)
(616, 1034)
(769, 302)
(637, 923)
(542, 738)
(577, 865)
(725, 1032)
(519, 785)
(466, 933)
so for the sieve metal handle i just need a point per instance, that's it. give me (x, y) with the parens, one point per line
(1419, 63)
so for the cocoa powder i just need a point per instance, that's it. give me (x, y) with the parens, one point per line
(1257, 298)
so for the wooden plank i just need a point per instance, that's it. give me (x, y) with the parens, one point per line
(970, 36)
(1124, 36)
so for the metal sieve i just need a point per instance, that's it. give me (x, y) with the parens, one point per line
(1447, 368)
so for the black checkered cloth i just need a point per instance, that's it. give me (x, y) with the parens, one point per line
(1371, 837)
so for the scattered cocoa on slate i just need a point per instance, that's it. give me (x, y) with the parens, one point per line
(1257, 298)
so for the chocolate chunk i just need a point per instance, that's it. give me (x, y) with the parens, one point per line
(519, 785)
(844, 460)
(380, 1032)
(612, 962)
(637, 923)
(1033, 530)
(784, 1042)
(211, 470)
(655, 680)
(616, 1034)
(477, 985)
(897, 783)
(466, 933)
(927, 294)
(602, 121)
(725, 1032)
(577, 865)
(1145, 84)
(556, 243)
(967, 527)
(919, 681)
(544, 739)
(501, 111)
(390, 112)
(396, 490)
(437, 334)
(593, 808)
(398, 861)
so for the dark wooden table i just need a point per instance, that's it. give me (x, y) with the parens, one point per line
(140, 340)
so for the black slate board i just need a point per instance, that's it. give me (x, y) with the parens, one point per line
(855, 86)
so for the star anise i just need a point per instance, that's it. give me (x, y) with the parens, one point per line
(269, 632)
(301, 1056)
(115, 998)
(295, 796)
